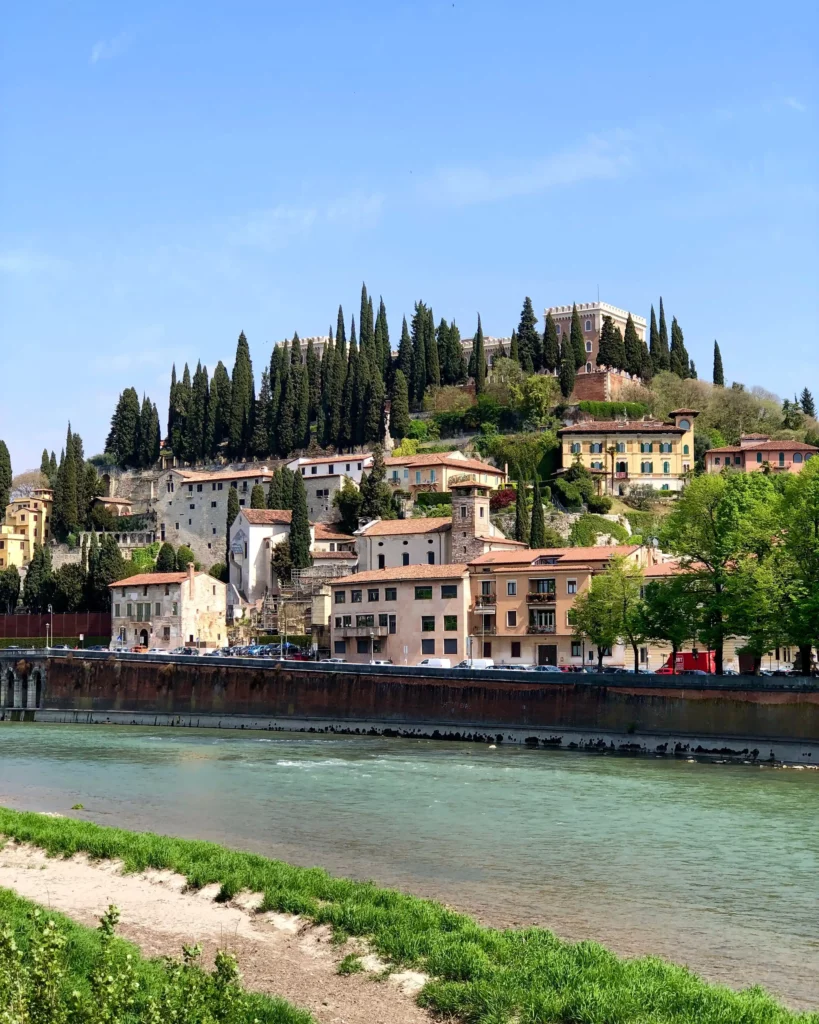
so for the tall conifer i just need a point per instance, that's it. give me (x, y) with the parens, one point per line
(678, 353)
(418, 381)
(313, 368)
(567, 369)
(807, 403)
(5, 477)
(530, 355)
(399, 407)
(577, 338)
(341, 333)
(431, 352)
(479, 352)
(521, 519)
(719, 374)
(633, 348)
(404, 363)
(260, 444)
(551, 345)
(537, 532)
(663, 361)
(299, 539)
(241, 408)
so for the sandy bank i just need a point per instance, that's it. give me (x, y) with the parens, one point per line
(278, 954)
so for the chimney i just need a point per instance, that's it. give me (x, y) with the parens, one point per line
(191, 574)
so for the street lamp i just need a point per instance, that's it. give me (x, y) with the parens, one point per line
(612, 451)
(50, 628)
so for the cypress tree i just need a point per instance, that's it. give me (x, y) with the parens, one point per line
(232, 512)
(633, 349)
(295, 350)
(577, 339)
(456, 356)
(196, 419)
(323, 391)
(619, 349)
(38, 584)
(111, 566)
(341, 332)
(260, 445)
(514, 348)
(384, 340)
(530, 355)
(806, 401)
(44, 463)
(5, 476)
(166, 559)
(52, 468)
(719, 373)
(219, 407)
(646, 364)
(678, 354)
(480, 359)
(241, 406)
(373, 428)
(288, 419)
(567, 370)
(361, 387)
(299, 540)
(521, 520)
(363, 316)
(184, 391)
(418, 381)
(334, 424)
(692, 370)
(444, 355)
(172, 404)
(404, 363)
(123, 437)
(607, 353)
(257, 497)
(303, 409)
(431, 352)
(146, 440)
(537, 533)
(399, 407)
(348, 413)
(551, 345)
(67, 516)
(659, 357)
(663, 361)
(313, 369)
(279, 372)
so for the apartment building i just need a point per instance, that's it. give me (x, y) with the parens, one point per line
(757, 452)
(591, 319)
(401, 614)
(168, 610)
(27, 522)
(438, 471)
(521, 600)
(622, 453)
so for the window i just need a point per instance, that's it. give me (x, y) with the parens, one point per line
(685, 449)
(486, 588)
(405, 558)
(588, 367)
(199, 488)
(646, 446)
(166, 632)
(358, 465)
(512, 588)
(116, 611)
(382, 619)
(372, 595)
(427, 623)
(667, 467)
(157, 608)
(450, 645)
(129, 610)
(338, 622)
(588, 325)
(487, 648)
(430, 557)
(174, 608)
(355, 596)
(144, 591)
(314, 470)
(214, 531)
(432, 476)
(781, 458)
(758, 458)
(571, 586)
(575, 449)
(646, 467)
(577, 651)
(365, 621)
(558, 328)
(347, 621)
(463, 511)
(717, 460)
(597, 465)
(546, 586)
(390, 593)
(423, 593)
(347, 467)
(797, 456)
(341, 596)
(450, 623)
(596, 447)
(588, 346)
(685, 424)
(392, 624)
(381, 562)
(213, 504)
(340, 647)
(620, 447)
(362, 645)
(418, 476)
(219, 486)
(190, 488)
(427, 647)
(515, 648)
(330, 469)
(511, 619)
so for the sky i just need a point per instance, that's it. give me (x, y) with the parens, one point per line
(174, 173)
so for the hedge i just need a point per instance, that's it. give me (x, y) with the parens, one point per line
(609, 410)
(430, 498)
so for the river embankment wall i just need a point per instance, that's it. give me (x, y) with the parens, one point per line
(737, 713)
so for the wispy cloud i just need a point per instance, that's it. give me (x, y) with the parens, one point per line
(795, 104)
(278, 226)
(107, 49)
(596, 158)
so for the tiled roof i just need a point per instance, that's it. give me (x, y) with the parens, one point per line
(145, 579)
(305, 461)
(404, 572)
(441, 459)
(566, 556)
(765, 446)
(400, 527)
(193, 477)
(333, 554)
(331, 531)
(622, 427)
(687, 412)
(663, 569)
(267, 516)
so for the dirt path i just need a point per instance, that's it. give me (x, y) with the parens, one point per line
(278, 954)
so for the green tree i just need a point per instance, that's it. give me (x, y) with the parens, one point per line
(232, 513)
(530, 355)
(341, 333)
(374, 403)
(45, 465)
(679, 355)
(166, 559)
(537, 531)
(219, 408)
(38, 585)
(262, 419)
(610, 351)
(567, 370)
(718, 375)
(313, 371)
(431, 352)
(479, 355)
(610, 610)
(670, 612)
(5, 476)
(347, 502)
(399, 407)
(535, 397)
(52, 469)
(404, 363)
(755, 596)
(514, 348)
(376, 493)
(633, 348)
(66, 512)
(349, 411)
(9, 589)
(68, 588)
(196, 421)
(521, 516)
(807, 403)
(303, 408)
(180, 400)
(288, 418)
(551, 345)
(299, 540)
(663, 352)
(578, 340)
(123, 437)
(798, 554)
(418, 380)
(242, 399)
(257, 497)
(184, 558)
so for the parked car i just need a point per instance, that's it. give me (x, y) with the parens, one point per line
(332, 661)
(388, 661)
(157, 650)
(544, 668)
(97, 647)
(435, 663)
(475, 663)
(516, 668)
(60, 647)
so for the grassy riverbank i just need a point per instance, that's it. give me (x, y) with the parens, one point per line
(478, 975)
(53, 969)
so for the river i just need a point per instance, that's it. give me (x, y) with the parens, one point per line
(713, 866)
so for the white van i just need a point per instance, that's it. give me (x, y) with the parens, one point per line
(435, 663)
(476, 663)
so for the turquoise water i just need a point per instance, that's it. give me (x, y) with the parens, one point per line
(715, 866)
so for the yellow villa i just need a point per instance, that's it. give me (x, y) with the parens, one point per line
(622, 453)
(27, 521)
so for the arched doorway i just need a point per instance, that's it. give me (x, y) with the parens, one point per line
(35, 689)
(143, 637)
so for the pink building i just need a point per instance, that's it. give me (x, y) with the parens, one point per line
(758, 451)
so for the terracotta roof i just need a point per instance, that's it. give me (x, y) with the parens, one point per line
(500, 539)
(663, 569)
(441, 459)
(144, 579)
(193, 477)
(362, 457)
(400, 527)
(333, 554)
(756, 437)
(405, 572)
(567, 556)
(331, 531)
(622, 427)
(466, 483)
(267, 516)
(765, 446)
(680, 412)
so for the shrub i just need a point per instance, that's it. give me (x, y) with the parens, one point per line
(585, 531)
(612, 410)
(184, 558)
(641, 497)
(502, 499)
(599, 504)
(418, 430)
(219, 571)
(429, 498)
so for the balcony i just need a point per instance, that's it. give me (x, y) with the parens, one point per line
(621, 476)
(486, 600)
(540, 630)
(361, 631)
(540, 597)
(482, 628)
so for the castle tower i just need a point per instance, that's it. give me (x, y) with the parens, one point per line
(470, 519)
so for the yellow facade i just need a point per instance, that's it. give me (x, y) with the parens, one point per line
(27, 522)
(622, 453)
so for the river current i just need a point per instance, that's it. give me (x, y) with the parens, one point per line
(713, 866)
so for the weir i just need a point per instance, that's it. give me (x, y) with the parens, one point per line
(744, 717)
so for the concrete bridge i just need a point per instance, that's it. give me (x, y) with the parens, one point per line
(23, 676)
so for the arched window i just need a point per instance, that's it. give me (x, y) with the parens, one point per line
(685, 449)
(647, 467)
(621, 447)
(797, 456)
(646, 447)
(588, 368)
(685, 424)
(575, 449)
(666, 468)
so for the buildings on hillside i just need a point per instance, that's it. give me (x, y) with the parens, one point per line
(757, 452)
(591, 319)
(168, 610)
(27, 522)
(438, 471)
(324, 477)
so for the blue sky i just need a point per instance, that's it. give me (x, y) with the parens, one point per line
(171, 174)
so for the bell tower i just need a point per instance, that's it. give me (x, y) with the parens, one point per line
(470, 519)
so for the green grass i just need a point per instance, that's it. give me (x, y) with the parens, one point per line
(55, 980)
(478, 975)
(351, 965)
